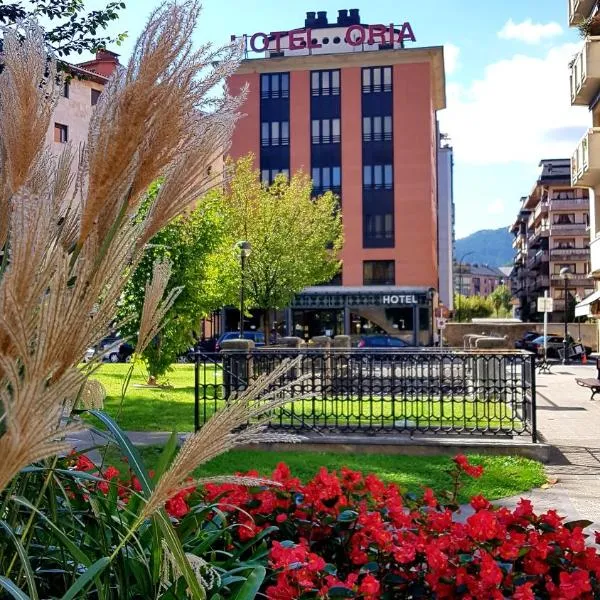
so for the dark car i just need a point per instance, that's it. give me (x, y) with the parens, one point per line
(529, 336)
(113, 349)
(554, 344)
(258, 337)
(382, 341)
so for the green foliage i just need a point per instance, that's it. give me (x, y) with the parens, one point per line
(73, 28)
(472, 307)
(500, 299)
(295, 239)
(191, 243)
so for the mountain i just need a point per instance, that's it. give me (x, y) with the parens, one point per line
(491, 247)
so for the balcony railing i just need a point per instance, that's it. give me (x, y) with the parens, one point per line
(577, 280)
(538, 233)
(579, 10)
(537, 259)
(585, 73)
(564, 254)
(570, 203)
(585, 162)
(542, 281)
(567, 228)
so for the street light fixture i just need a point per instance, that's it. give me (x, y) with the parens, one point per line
(244, 248)
(566, 274)
(460, 274)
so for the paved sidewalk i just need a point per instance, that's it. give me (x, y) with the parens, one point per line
(567, 419)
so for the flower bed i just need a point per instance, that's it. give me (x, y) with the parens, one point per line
(345, 535)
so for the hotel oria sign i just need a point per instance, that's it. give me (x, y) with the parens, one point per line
(314, 300)
(354, 35)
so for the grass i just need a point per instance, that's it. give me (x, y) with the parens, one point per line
(503, 475)
(172, 408)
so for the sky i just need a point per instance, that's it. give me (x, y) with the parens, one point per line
(507, 76)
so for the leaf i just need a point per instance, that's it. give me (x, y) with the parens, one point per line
(82, 582)
(347, 516)
(24, 560)
(583, 523)
(340, 592)
(249, 589)
(168, 533)
(166, 456)
(263, 534)
(12, 589)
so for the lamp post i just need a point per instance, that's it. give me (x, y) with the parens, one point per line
(431, 298)
(460, 274)
(244, 247)
(566, 274)
(577, 301)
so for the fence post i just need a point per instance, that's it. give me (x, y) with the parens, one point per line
(323, 342)
(533, 401)
(197, 391)
(237, 365)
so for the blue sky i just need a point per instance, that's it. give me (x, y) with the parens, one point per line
(507, 80)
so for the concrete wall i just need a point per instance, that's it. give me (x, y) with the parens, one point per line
(454, 332)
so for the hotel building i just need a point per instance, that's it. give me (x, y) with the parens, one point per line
(551, 232)
(585, 162)
(355, 107)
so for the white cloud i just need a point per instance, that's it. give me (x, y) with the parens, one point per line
(496, 207)
(529, 32)
(518, 111)
(451, 54)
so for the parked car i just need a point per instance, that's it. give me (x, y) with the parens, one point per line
(258, 337)
(529, 336)
(113, 349)
(554, 345)
(382, 341)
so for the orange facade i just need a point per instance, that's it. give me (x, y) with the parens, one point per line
(418, 92)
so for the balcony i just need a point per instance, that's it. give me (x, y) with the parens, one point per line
(570, 204)
(542, 256)
(541, 210)
(579, 10)
(538, 233)
(585, 162)
(543, 281)
(585, 73)
(577, 280)
(564, 254)
(568, 228)
(595, 258)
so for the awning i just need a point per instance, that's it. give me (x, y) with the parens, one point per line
(584, 308)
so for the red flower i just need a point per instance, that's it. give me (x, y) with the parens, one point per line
(111, 473)
(369, 587)
(480, 503)
(429, 498)
(281, 518)
(84, 464)
(524, 592)
(176, 506)
(464, 465)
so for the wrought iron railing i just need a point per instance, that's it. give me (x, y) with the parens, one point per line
(373, 391)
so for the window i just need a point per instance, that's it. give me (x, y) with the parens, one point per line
(326, 131)
(275, 133)
(268, 176)
(379, 272)
(95, 96)
(376, 129)
(564, 219)
(61, 133)
(64, 92)
(275, 85)
(376, 79)
(558, 267)
(378, 176)
(565, 243)
(379, 227)
(326, 178)
(325, 83)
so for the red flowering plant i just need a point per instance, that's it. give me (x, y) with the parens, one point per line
(348, 535)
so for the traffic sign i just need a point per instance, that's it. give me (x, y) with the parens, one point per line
(545, 304)
(441, 323)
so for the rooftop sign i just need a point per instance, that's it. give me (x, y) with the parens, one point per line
(354, 35)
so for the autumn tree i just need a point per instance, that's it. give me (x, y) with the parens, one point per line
(70, 27)
(295, 238)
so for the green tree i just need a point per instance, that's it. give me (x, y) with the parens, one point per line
(295, 238)
(192, 244)
(74, 29)
(500, 299)
(472, 307)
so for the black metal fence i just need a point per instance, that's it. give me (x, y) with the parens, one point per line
(426, 391)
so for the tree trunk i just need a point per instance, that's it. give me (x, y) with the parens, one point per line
(266, 325)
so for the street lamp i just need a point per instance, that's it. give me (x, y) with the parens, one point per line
(577, 301)
(431, 297)
(244, 247)
(460, 263)
(566, 274)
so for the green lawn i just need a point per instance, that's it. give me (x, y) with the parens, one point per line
(172, 408)
(503, 475)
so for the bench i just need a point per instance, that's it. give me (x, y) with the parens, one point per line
(592, 384)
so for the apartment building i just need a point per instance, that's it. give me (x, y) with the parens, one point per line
(585, 162)
(552, 233)
(78, 98)
(446, 212)
(353, 105)
(476, 279)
